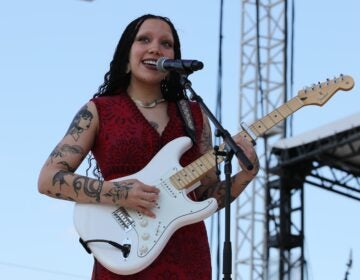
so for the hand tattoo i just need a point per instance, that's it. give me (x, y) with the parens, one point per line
(120, 191)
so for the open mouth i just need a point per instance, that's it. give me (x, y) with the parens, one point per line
(149, 62)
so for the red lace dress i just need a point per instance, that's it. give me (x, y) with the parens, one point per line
(125, 144)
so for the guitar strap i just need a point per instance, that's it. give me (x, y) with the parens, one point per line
(185, 111)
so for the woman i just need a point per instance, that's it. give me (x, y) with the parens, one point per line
(132, 116)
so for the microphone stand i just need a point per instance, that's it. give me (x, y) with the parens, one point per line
(231, 149)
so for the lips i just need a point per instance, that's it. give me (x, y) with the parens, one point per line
(150, 62)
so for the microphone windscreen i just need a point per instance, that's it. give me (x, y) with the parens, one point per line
(160, 64)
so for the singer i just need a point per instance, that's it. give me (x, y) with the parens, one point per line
(128, 121)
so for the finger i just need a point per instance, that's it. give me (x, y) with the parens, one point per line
(151, 197)
(150, 189)
(148, 202)
(146, 212)
(245, 143)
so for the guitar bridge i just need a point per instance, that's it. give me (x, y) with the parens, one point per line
(123, 218)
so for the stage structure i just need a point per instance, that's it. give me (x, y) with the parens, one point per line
(269, 214)
(263, 88)
(328, 158)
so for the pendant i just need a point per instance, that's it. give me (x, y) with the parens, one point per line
(148, 104)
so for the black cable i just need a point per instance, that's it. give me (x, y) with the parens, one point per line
(259, 58)
(219, 81)
(291, 120)
(218, 113)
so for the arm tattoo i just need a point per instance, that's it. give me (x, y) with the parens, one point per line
(59, 177)
(154, 125)
(80, 123)
(120, 191)
(92, 188)
(206, 138)
(67, 166)
(59, 195)
(218, 192)
(59, 152)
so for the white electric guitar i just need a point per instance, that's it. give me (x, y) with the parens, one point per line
(125, 241)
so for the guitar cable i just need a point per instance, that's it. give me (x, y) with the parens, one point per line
(125, 249)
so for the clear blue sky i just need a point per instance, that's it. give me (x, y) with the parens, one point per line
(53, 55)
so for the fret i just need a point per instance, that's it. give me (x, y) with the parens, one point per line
(245, 134)
(260, 127)
(192, 174)
(276, 116)
(194, 168)
(199, 162)
(268, 122)
(285, 110)
(187, 176)
(177, 181)
(294, 104)
(255, 130)
(209, 160)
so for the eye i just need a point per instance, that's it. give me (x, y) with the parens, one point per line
(143, 39)
(168, 44)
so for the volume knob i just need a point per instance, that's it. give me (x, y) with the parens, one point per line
(145, 236)
(143, 249)
(144, 222)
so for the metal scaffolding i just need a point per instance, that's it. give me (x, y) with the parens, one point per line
(269, 241)
(262, 89)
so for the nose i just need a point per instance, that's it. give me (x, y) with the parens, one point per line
(154, 49)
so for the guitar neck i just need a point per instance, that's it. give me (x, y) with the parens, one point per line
(270, 120)
(192, 173)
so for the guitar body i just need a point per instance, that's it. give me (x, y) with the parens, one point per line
(146, 236)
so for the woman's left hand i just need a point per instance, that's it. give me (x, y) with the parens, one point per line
(249, 151)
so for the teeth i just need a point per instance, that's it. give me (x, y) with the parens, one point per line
(150, 62)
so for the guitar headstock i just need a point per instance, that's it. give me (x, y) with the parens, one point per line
(320, 93)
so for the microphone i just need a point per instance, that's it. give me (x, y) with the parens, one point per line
(165, 64)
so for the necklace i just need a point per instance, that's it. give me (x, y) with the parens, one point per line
(148, 104)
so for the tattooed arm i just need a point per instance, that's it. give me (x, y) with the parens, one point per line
(57, 178)
(210, 184)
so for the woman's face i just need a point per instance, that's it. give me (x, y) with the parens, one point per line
(153, 40)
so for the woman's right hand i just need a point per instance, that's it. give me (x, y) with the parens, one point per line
(132, 193)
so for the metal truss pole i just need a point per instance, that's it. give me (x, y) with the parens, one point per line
(262, 90)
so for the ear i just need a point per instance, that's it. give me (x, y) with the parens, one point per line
(128, 70)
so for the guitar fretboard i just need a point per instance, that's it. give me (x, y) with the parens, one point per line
(193, 172)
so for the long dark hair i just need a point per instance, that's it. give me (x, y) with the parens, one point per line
(116, 80)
